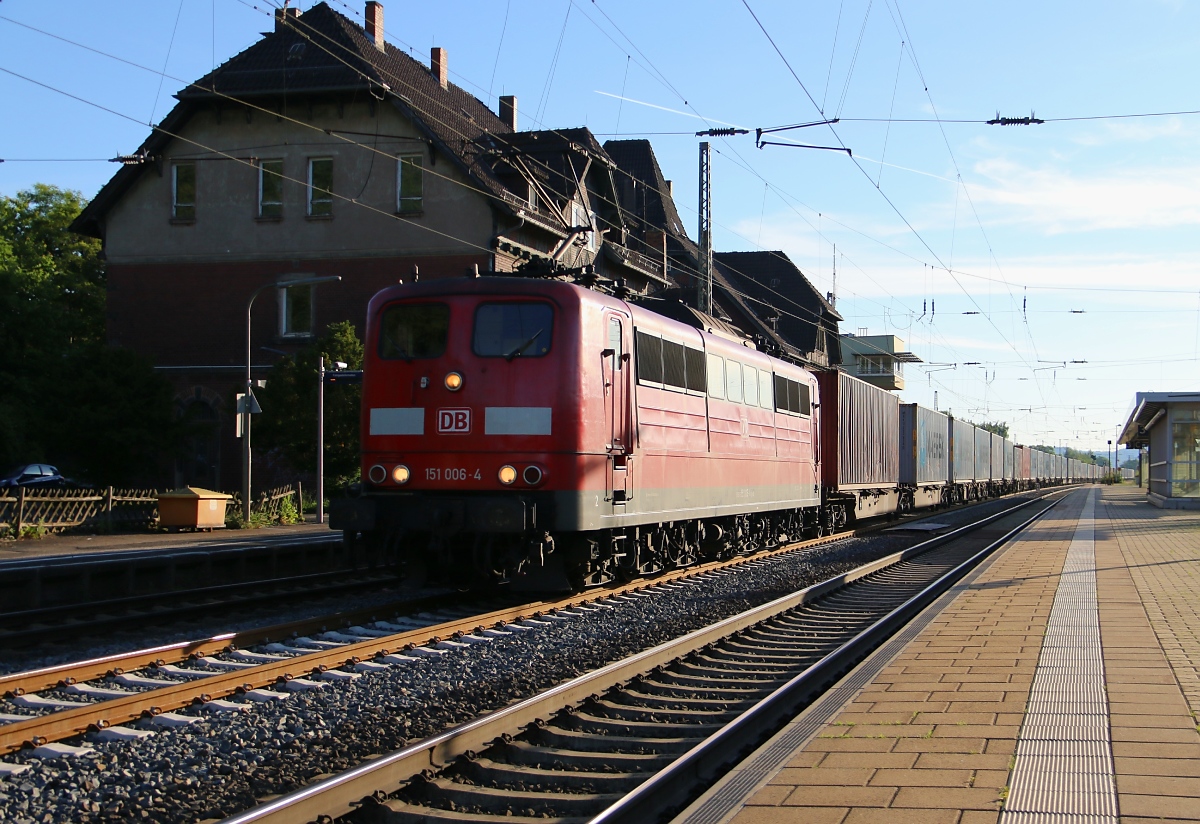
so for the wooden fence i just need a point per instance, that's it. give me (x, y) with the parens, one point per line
(108, 509)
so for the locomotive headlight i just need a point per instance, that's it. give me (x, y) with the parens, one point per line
(377, 474)
(507, 474)
(454, 381)
(400, 474)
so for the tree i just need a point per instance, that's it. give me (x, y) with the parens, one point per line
(1000, 428)
(289, 401)
(65, 397)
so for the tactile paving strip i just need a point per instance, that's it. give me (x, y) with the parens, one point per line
(1063, 770)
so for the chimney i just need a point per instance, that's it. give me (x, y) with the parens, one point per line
(439, 66)
(656, 239)
(670, 189)
(508, 110)
(285, 17)
(374, 22)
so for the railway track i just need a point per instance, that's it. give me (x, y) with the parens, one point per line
(639, 737)
(107, 692)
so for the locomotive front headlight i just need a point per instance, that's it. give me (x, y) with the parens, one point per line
(377, 474)
(400, 474)
(507, 474)
(454, 381)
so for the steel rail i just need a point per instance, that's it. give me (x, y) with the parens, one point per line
(675, 785)
(63, 724)
(74, 721)
(340, 794)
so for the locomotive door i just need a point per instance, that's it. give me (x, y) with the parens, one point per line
(617, 398)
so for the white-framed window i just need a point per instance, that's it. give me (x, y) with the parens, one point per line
(750, 384)
(766, 386)
(733, 381)
(320, 186)
(270, 188)
(297, 311)
(183, 191)
(410, 183)
(716, 376)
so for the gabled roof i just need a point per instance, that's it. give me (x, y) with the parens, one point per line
(322, 52)
(649, 203)
(799, 305)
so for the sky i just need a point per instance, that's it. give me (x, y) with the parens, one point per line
(1043, 273)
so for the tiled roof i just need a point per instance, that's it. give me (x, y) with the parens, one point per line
(799, 304)
(650, 204)
(322, 51)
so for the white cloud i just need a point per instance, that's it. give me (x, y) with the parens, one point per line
(1057, 201)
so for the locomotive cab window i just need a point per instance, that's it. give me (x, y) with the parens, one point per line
(513, 330)
(414, 330)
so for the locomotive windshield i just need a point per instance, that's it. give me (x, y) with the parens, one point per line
(414, 330)
(513, 330)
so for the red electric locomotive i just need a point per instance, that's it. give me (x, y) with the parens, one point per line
(512, 425)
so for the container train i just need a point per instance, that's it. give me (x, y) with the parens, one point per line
(514, 427)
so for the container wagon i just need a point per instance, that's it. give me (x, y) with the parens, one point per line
(924, 456)
(861, 474)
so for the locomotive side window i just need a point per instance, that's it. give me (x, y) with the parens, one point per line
(750, 385)
(513, 330)
(673, 364)
(765, 396)
(649, 358)
(792, 396)
(414, 330)
(733, 381)
(716, 376)
(694, 361)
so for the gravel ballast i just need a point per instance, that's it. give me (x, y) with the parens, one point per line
(223, 763)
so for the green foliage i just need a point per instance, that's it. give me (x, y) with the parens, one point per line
(65, 398)
(289, 401)
(287, 511)
(1079, 455)
(1000, 428)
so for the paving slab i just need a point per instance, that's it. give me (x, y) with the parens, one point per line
(935, 734)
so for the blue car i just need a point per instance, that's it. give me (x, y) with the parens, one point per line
(37, 475)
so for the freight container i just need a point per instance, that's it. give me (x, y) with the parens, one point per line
(962, 451)
(864, 423)
(983, 455)
(1010, 460)
(924, 453)
(997, 458)
(863, 420)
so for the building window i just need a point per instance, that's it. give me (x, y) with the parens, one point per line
(320, 186)
(410, 181)
(270, 188)
(183, 191)
(879, 365)
(296, 309)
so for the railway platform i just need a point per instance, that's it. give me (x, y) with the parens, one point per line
(77, 543)
(1058, 682)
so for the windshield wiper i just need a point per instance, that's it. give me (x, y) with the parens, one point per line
(520, 349)
(404, 356)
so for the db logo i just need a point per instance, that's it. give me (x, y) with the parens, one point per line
(454, 420)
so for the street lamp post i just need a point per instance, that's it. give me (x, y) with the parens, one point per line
(249, 404)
